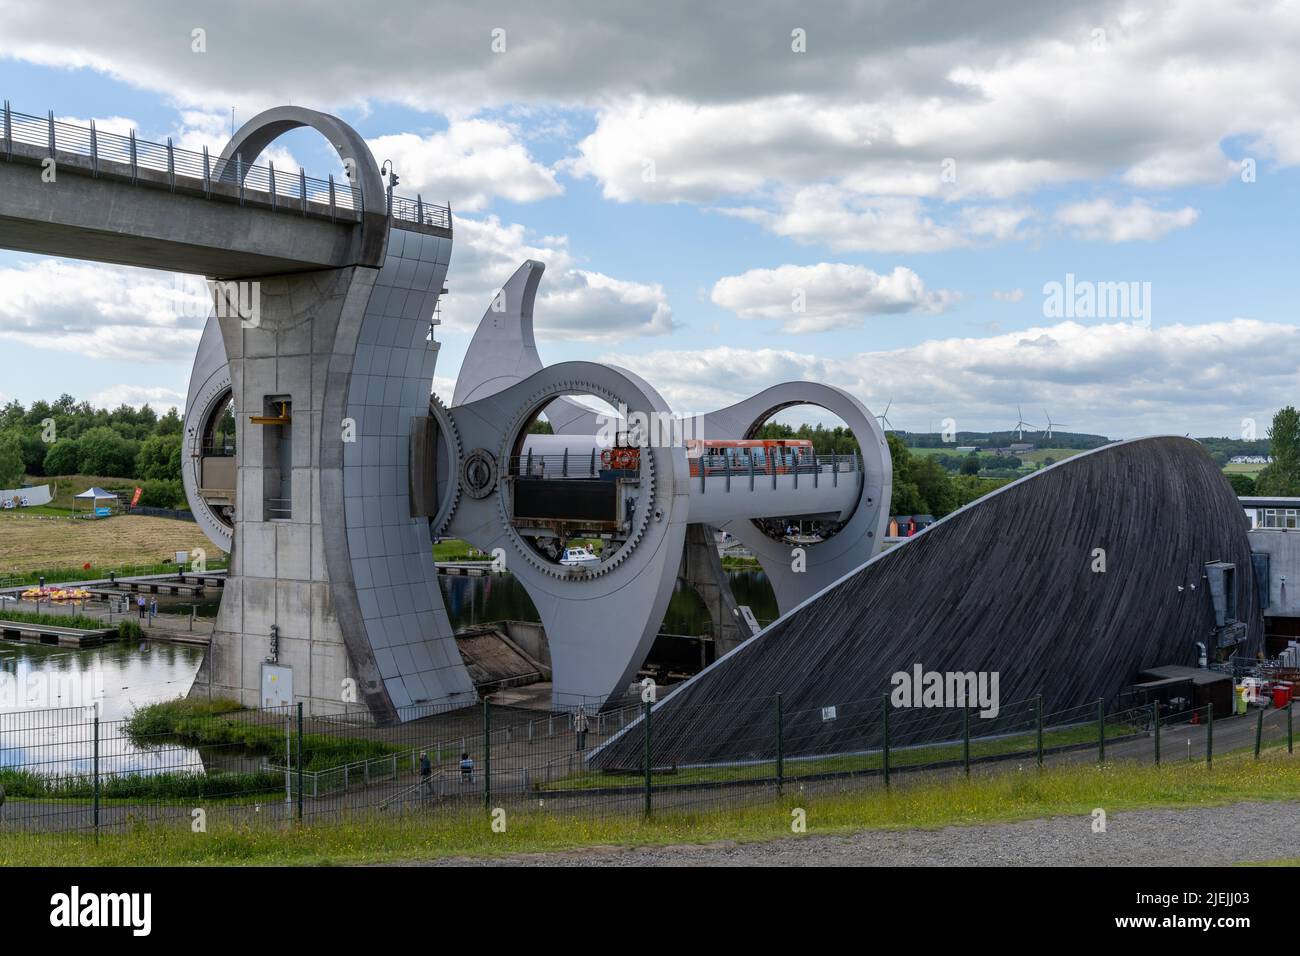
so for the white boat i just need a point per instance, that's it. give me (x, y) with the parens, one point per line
(580, 556)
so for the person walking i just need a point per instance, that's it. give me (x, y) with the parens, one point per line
(426, 771)
(580, 724)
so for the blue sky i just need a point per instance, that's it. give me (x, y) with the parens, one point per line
(1105, 140)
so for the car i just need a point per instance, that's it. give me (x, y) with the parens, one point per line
(580, 556)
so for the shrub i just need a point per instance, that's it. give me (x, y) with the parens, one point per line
(162, 493)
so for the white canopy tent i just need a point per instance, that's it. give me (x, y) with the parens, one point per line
(95, 496)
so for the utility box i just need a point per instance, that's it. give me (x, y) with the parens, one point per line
(277, 685)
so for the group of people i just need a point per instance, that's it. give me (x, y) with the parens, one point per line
(150, 609)
(580, 725)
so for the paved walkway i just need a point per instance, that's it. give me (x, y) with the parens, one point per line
(1196, 836)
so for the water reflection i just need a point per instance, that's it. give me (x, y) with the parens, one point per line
(47, 697)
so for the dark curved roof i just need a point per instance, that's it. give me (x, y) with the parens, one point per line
(1003, 585)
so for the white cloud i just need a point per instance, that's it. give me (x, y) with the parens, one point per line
(826, 296)
(847, 145)
(160, 399)
(1104, 219)
(1117, 379)
(852, 223)
(102, 311)
(573, 303)
(470, 162)
(1011, 295)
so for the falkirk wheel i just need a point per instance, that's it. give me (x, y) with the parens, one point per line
(317, 456)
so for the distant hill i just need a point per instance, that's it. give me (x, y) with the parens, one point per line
(1221, 449)
(991, 440)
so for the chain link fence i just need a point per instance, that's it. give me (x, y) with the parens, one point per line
(210, 765)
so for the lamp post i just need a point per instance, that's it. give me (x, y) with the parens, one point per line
(393, 180)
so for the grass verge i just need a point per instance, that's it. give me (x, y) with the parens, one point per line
(1019, 795)
(78, 621)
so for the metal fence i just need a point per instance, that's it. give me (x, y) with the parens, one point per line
(296, 191)
(65, 771)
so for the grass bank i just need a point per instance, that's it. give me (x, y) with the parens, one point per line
(1023, 794)
(223, 724)
(32, 545)
(53, 619)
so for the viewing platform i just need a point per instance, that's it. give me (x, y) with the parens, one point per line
(183, 206)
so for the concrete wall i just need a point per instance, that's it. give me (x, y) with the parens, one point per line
(348, 577)
(1283, 548)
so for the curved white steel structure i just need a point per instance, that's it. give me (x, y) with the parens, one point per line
(344, 467)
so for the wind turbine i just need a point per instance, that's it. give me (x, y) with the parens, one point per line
(883, 418)
(1021, 425)
(1050, 424)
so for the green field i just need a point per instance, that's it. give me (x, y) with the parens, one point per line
(1252, 470)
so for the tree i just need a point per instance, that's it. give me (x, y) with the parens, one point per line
(1242, 485)
(105, 452)
(1282, 477)
(170, 424)
(63, 457)
(971, 465)
(11, 460)
(159, 458)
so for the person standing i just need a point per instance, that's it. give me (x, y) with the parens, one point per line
(153, 609)
(466, 768)
(580, 724)
(139, 605)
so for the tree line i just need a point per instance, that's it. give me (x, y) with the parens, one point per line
(922, 483)
(67, 437)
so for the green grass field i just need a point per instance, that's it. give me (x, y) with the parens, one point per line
(1023, 794)
(1035, 457)
(1244, 469)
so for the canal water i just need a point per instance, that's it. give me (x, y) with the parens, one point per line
(500, 597)
(63, 683)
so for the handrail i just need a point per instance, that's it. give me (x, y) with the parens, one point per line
(59, 137)
(583, 463)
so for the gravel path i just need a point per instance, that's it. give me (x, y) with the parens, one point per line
(1168, 837)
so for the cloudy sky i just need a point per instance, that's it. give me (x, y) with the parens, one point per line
(879, 195)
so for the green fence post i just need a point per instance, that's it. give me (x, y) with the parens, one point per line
(1101, 730)
(1040, 729)
(780, 747)
(884, 709)
(300, 788)
(1209, 735)
(487, 755)
(1289, 738)
(965, 739)
(96, 771)
(1155, 718)
(1259, 732)
(648, 804)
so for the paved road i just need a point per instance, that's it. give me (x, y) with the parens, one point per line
(1195, 836)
